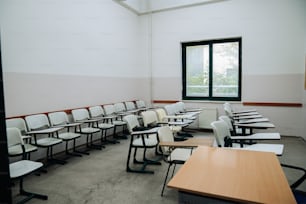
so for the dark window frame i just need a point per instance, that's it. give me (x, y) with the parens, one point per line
(184, 45)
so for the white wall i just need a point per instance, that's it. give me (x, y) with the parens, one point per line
(273, 51)
(60, 54)
(55, 51)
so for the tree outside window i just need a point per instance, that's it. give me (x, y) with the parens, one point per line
(212, 70)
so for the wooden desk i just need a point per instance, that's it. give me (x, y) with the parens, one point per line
(234, 176)
(192, 142)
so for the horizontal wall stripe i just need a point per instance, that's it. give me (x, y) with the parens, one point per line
(272, 104)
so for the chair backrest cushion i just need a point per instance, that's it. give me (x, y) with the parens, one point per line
(80, 114)
(13, 137)
(38, 121)
(130, 105)
(109, 109)
(132, 122)
(140, 104)
(119, 107)
(18, 123)
(170, 109)
(58, 118)
(165, 134)
(96, 111)
(161, 114)
(180, 106)
(221, 131)
(228, 109)
(149, 118)
(228, 121)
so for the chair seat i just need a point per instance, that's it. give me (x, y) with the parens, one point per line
(149, 142)
(106, 125)
(119, 122)
(17, 150)
(68, 136)
(23, 167)
(89, 130)
(180, 154)
(274, 148)
(48, 141)
(175, 128)
(259, 136)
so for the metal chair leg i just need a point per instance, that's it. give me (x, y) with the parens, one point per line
(162, 193)
(29, 195)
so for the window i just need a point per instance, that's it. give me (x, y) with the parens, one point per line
(212, 70)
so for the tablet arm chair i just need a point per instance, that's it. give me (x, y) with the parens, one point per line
(150, 120)
(15, 150)
(141, 105)
(87, 128)
(109, 112)
(96, 112)
(39, 125)
(131, 107)
(170, 155)
(223, 139)
(177, 122)
(140, 139)
(60, 119)
(120, 109)
(249, 137)
(22, 168)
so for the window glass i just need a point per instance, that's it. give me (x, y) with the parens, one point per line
(212, 70)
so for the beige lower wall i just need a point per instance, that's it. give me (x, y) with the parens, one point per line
(36, 93)
(288, 88)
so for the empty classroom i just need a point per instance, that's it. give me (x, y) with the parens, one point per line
(112, 101)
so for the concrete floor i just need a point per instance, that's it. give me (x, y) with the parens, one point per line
(101, 177)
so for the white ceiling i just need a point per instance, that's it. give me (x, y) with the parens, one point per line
(150, 6)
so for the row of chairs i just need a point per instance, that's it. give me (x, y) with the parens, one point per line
(100, 118)
(26, 135)
(58, 127)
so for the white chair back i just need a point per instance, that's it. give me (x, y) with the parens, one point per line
(161, 114)
(80, 114)
(96, 111)
(35, 122)
(58, 118)
(119, 107)
(228, 109)
(170, 109)
(130, 105)
(228, 121)
(109, 109)
(18, 123)
(149, 118)
(180, 106)
(221, 130)
(13, 137)
(165, 134)
(132, 122)
(140, 104)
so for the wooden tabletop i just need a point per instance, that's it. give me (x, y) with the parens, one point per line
(192, 142)
(234, 175)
